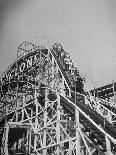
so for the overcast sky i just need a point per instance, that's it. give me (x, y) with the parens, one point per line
(86, 28)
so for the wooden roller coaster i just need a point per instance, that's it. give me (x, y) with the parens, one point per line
(45, 108)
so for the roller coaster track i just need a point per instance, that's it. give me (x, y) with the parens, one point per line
(42, 114)
(105, 91)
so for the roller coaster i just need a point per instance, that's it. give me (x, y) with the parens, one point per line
(46, 108)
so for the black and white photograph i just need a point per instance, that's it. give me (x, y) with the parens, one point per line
(57, 77)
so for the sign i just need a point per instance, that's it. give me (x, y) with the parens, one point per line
(22, 65)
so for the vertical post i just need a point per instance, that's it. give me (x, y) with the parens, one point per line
(94, 93)
(56, 77)
(6, 140)
(46, 103)
(77, 132)
(52, 71)
(17, 90)
(63, 87)
(70, 143)
(0, 87)
(45, 121)
(69, 93)
(110, 117)
(58, 122)
(31, 112)
(23, 107)
(77, 124)
(6, 108)
(36, 119)
(16, 116)
(93, 88)
(29, 141)
(114, 92)
(108, 145)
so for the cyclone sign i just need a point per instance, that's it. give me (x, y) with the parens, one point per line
(22, 65)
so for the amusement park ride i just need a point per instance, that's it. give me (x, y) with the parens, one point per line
(46, 109)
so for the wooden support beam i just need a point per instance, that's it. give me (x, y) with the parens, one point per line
(58, 123)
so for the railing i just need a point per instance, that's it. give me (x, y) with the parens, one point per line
(90, 120)
(106, 113)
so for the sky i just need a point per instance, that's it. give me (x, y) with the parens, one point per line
(85, 28)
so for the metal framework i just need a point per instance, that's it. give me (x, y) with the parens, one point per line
(41, 115)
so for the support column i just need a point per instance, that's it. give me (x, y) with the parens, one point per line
(6, 140)
(108, 146)
(70, 142)
(53, 72)
(110, 117)
(30, 130)
(23, 108)
(77, 124)
(28, 141)
(77, 133)
(45, 121)
(36, 120)
(58, 122)
(16, 116)
(62, 87)
(114, 91)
